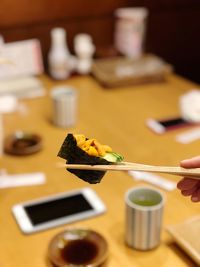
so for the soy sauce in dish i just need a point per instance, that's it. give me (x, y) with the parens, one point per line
(79, 251)
(24, 143)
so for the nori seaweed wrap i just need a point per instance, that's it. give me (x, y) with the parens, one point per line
(75, 155)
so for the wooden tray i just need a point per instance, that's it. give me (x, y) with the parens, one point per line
(186, 234)
(122, 71)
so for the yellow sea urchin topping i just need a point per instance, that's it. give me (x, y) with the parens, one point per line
(91, 146)
(80, 139)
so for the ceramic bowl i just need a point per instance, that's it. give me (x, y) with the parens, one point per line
(22, 143)
(78, 247)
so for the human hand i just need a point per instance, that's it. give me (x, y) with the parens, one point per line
(189, 186)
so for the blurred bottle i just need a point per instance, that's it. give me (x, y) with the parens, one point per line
(1, 41)
(84, 49)
(1, 49)
(130, 31)
(59, 58)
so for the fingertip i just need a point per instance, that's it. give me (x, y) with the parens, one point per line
(195, 199)
(185, 163)
(186, 193)
(179, 186)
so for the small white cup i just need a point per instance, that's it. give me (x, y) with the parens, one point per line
(144, 211)
(64, 106)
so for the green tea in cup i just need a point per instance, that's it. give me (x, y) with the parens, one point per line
(143, 223)
(146, 197)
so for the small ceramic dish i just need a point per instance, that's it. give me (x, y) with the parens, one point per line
(22, 143)
(78, 247)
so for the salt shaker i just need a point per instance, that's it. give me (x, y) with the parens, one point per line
(84, 49)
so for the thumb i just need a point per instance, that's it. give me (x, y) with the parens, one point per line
(191, 163)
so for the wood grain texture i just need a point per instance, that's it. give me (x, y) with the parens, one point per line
(101, 115)
(185, 234)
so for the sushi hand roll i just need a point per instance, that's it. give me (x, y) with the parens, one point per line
(77, 149)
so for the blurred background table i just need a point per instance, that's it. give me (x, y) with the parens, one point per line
(115, 117)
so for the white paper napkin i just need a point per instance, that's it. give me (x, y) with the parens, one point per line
(190, 105)
(25, 179)
(189, 136)
(153, 179)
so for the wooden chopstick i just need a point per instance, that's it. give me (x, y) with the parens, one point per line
(129, 166)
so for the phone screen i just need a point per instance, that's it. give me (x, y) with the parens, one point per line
(57, 208)
(173, 122)
(161, 126)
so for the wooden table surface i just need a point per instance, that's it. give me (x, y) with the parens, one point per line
(115, 117)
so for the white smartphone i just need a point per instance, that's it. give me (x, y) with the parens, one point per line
(162, 126)
(51, 211)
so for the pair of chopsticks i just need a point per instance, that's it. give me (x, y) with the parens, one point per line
(129, 166)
